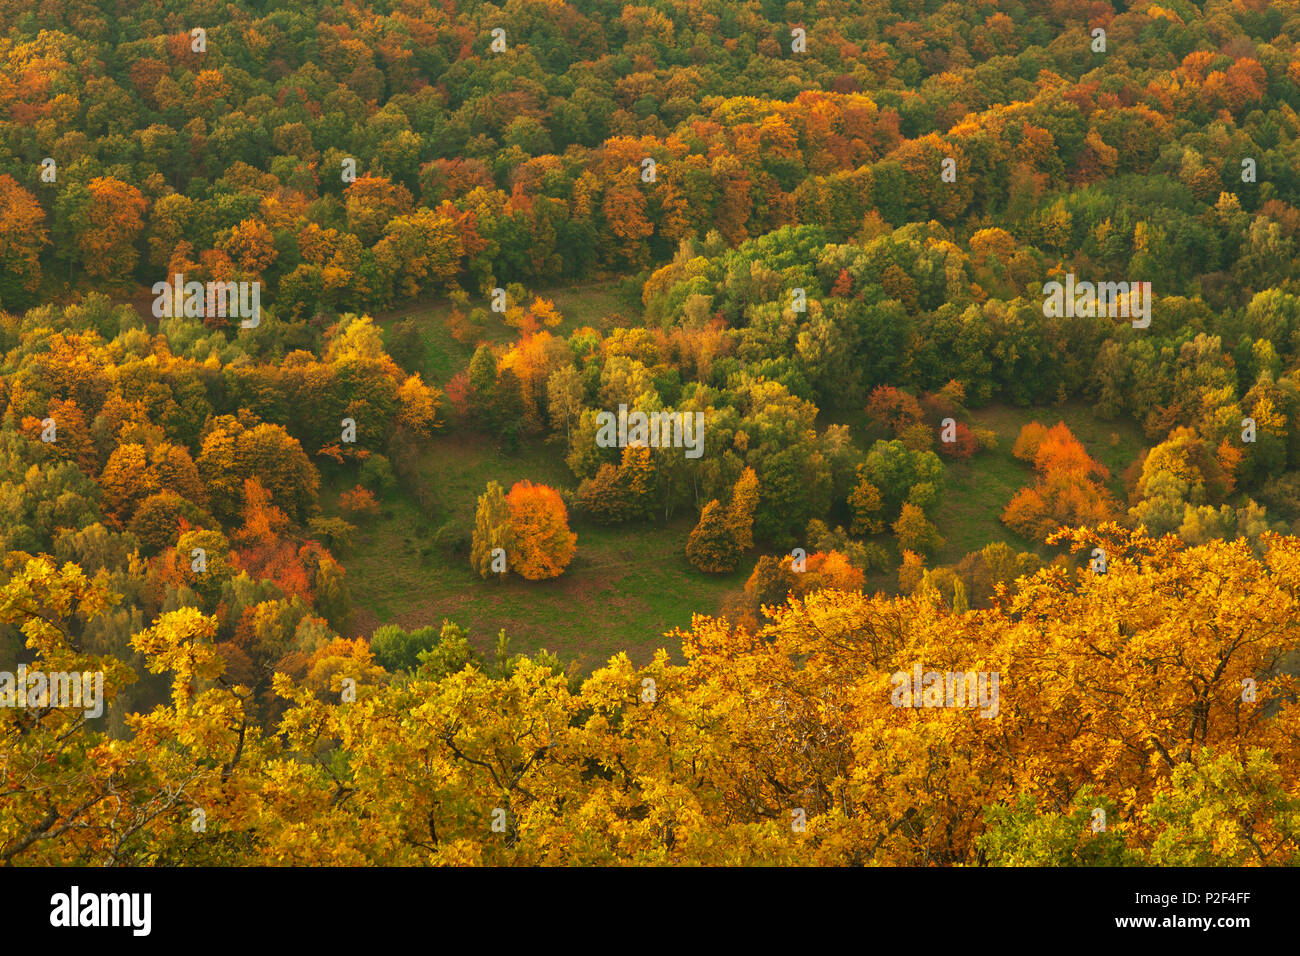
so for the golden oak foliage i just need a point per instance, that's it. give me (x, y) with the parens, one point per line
(134, 472)
(251, 245)
(1129, 683)
(113, 217)
(22, 239)
(533, 358)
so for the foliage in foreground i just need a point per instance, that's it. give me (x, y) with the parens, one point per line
(1121, 691)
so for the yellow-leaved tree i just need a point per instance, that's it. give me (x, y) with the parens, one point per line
(1157, 693)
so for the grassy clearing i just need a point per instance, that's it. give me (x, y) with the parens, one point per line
(625, 588)
(596, 304)
(969, 516)
(630, 585)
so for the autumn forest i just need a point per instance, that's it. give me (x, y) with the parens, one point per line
(705, 432)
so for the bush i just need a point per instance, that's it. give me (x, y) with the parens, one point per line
(966, 444)
(397, 649)
(917, 437)
(1282, 495)
(602, 497)
(924, 495)
(360, 502)
(377, 475)
(871, 556)
(449, 655)
(712, 545)
(157, 522)
(1027, 442)
(334, 533)
(915, 533)
(406, 346)
(453, 538)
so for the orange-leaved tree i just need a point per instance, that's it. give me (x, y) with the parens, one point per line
(1068, 490)
(543, 543)
(22, 239)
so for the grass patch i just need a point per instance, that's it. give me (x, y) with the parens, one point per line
(977, 490)
(596, 304)
(625, 588)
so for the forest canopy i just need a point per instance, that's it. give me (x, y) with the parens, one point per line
(609, 409)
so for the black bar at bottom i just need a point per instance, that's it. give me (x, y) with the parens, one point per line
(332, 905)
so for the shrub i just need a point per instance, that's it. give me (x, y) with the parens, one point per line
(377, 475)
(360, 502)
